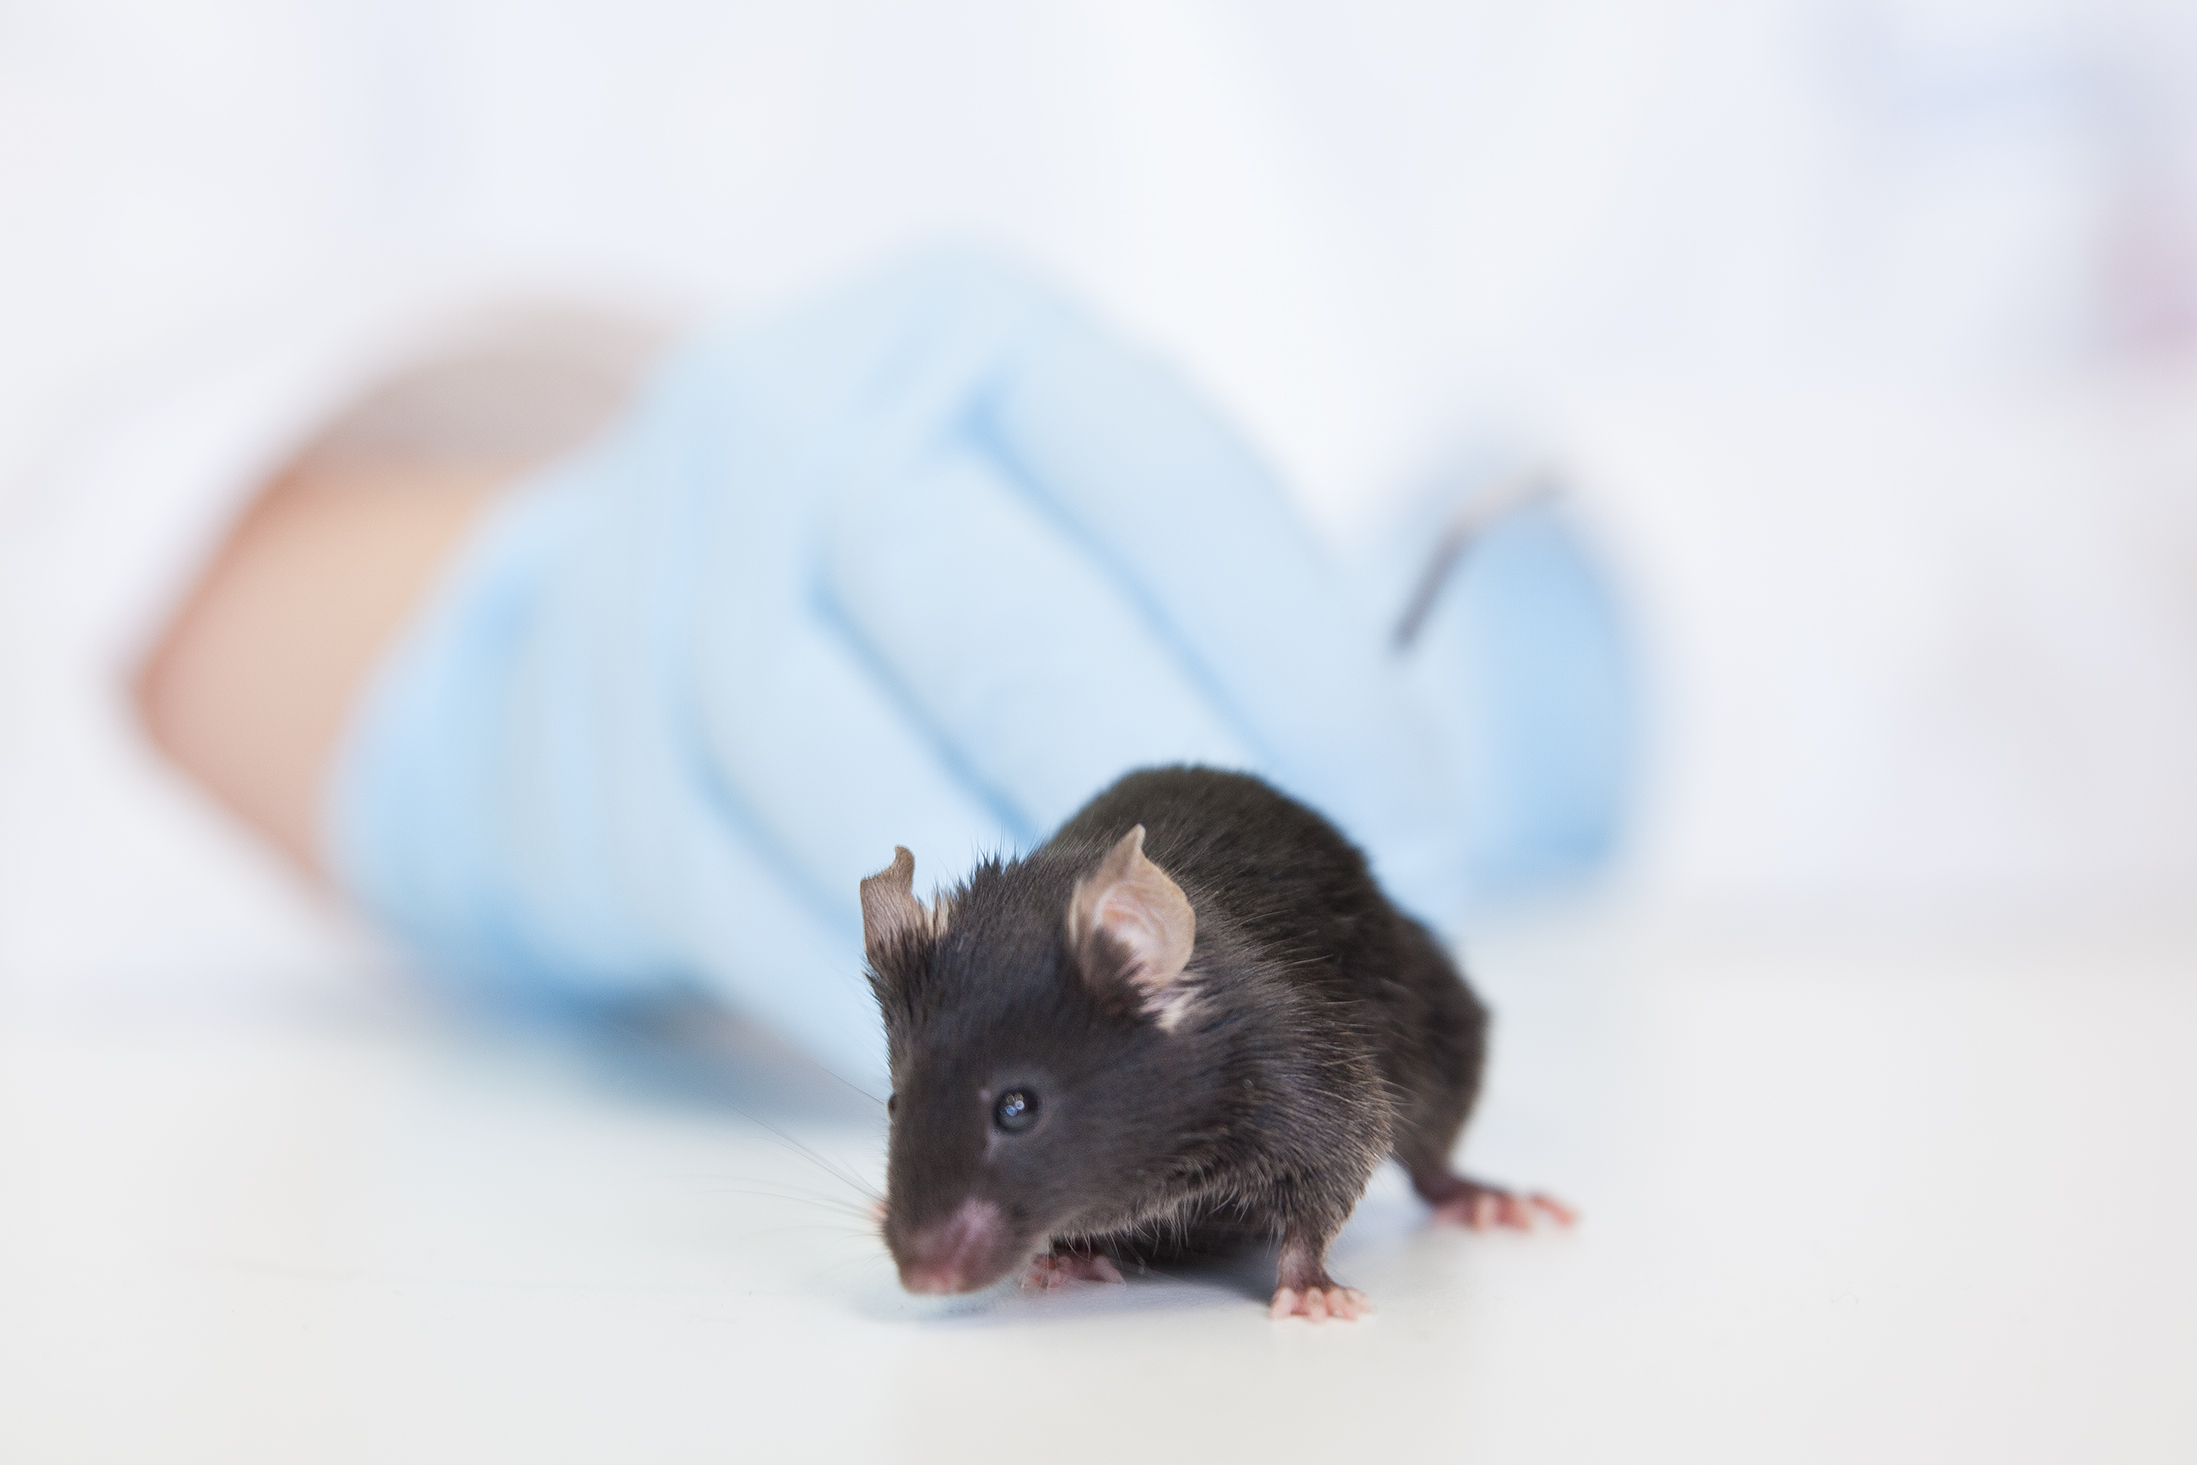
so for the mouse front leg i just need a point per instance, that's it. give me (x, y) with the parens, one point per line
(1302, 1287)
(1069, 1261)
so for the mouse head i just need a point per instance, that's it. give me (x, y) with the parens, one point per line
(1042, 1072)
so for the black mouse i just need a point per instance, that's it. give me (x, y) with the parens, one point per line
(1187, 1023)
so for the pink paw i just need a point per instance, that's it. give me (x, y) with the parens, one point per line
(1058, 1269)
(1482, 1206)
(1319, 1303)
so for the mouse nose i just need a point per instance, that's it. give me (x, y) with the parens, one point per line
(957, 1255)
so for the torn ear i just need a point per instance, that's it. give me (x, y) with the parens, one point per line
(891, 914)
(1145, 917)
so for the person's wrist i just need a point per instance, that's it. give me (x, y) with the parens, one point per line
(250, 685)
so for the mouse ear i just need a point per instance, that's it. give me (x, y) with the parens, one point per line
(890, 912)
(1142, 915)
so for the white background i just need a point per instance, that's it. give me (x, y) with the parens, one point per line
(1865, 327)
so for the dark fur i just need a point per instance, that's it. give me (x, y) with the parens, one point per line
(1329, 1030)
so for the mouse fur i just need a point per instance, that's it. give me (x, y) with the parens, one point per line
(1207, 1025)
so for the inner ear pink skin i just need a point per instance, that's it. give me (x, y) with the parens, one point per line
(890, 911)
(1134, 902)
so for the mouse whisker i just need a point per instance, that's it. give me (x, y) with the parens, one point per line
(837, 1172)
(838, 1205)
(810, 1228)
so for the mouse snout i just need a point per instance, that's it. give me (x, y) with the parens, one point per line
(959, 1254)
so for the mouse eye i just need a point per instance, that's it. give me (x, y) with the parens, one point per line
(1015, 1111)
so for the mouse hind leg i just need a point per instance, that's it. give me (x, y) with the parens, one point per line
(1423, 1151)
(1463, 1200)
(1475, 1204)
(1437, 1051)
(1442, 1066)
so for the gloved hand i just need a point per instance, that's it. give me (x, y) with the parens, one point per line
(928, 563)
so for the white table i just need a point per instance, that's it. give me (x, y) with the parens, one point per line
(1889, 1197)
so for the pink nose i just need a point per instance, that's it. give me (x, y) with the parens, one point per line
(954, 1255)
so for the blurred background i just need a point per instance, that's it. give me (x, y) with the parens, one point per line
(1864, 332)
(1865, 329)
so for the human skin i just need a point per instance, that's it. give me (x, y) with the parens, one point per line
(250, 685)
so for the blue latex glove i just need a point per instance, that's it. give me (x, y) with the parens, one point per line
(1516, 645)
(1525, 664)
(928, 563)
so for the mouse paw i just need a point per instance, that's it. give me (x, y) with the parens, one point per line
(1479, 1207)
(1318, 1304)
(1059, 1268)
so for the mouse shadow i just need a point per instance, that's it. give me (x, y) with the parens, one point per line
(689, 1054)
(1147, 1288)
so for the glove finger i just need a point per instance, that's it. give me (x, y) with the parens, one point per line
(1016, 651)
(810, 753)
(758, 943)
(795, 738)
(1176, 508)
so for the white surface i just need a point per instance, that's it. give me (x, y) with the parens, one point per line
(1887, 1199)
